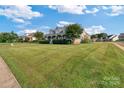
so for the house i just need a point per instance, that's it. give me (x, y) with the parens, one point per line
(59, 33)
(85, 35)
(113, 38)
(29, 37)
(94, 39)
(121, 36)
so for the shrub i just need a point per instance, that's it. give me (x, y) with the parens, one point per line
(86, 41)
(121, 39)
(34, 41)
(62, 41)
(44, 42)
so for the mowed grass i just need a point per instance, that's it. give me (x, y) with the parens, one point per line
(85, 65)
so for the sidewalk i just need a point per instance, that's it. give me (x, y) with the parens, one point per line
(119, 46)
(7, 79)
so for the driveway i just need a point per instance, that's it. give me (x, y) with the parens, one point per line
(119, 45)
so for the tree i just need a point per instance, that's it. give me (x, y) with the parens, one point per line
(38, 35)
(73, 31)
(4, 37)
(100, 37)
(13, 37)
(94, 36)
(103, 35)
(8, 37)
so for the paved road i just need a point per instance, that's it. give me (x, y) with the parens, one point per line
(7, 79)
(119, 45)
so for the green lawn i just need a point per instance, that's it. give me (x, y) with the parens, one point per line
(85, 65)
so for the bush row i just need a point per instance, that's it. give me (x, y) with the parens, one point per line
(44, 42)
(121, 40)
(63, 41)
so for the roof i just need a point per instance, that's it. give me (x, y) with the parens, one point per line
(113, 36)
(121, 35)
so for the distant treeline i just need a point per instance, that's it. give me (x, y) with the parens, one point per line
(8, 37)
(11, 37)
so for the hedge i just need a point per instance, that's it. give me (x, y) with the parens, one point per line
(62, 41)
(56, 41)
(86, 41)
(44, 42)
(121, 39)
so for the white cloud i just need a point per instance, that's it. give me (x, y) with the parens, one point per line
(18, 20)
(28, 31)
(72, 9)
(93, 11)
(19, 14)
(105, 7)
(45, 27)
(95, 29)
(63, 23)
(116, 10)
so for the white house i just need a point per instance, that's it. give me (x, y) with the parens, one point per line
(29, 37)
(113, 38)
(59, 33)
(85, 35)
(121, 36)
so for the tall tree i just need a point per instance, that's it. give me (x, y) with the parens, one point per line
(102, 35)
(13, 36)
(73, 31)
(39, 35)
(94, 36)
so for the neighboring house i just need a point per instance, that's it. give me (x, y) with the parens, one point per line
(113, 38)
(59, 33)
(85, 35)
(121, 36)
(29, 37)
(109, 38)
(94, 39)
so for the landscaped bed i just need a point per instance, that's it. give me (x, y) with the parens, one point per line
(85, 65)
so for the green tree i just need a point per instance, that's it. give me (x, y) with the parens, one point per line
(102, 35)
(94, 36)
(8, 37)
(39, 35)
(13, 37)
(73, 31)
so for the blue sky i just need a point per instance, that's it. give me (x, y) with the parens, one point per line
(95, 19)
